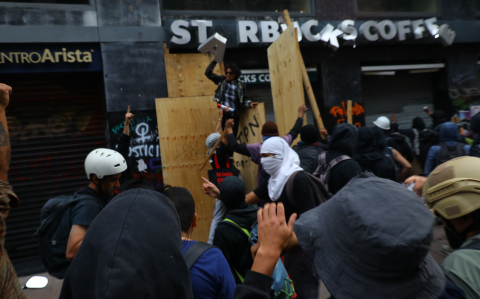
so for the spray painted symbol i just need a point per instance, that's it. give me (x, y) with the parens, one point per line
(142, 130)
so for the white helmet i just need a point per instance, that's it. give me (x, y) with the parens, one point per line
(383, 123)
(104, 161)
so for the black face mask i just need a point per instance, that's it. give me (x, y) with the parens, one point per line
(455, 238)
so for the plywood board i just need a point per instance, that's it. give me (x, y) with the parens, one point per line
(183, 126)
(286, 80)
(249, 131)
(186, 75)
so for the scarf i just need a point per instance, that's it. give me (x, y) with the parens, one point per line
(280, 167)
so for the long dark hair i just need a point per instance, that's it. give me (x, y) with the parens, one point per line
(235, 69)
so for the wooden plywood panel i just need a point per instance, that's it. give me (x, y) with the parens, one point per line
(183, 126)
(249, 131)
(186, 75)
(286, 80)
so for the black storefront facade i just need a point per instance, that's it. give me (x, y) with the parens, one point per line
(396, 73)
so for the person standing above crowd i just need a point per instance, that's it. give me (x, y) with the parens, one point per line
(448, 149)
(231, 92)
(269, 130)
(339, 167)
(309, 148)
(209, 271)
(124, 145)
(452, 190)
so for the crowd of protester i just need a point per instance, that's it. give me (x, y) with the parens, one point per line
(346, 211)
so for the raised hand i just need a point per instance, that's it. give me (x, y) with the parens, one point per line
(301, 110)
(128, 116)
(210, 189)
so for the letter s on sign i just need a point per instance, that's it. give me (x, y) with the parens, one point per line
(177, 30)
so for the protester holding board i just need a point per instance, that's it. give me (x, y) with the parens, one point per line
(231, 92)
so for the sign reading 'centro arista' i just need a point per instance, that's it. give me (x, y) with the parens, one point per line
(369, 31)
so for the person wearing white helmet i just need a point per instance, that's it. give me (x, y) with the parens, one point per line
(103, 168)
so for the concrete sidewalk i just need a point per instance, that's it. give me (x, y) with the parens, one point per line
(52, 291)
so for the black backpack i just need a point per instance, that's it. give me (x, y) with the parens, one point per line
(405, 149)
(447, 153)
(426, 139)
(52, 237)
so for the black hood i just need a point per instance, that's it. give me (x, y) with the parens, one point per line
(418, 124)
(367, 153)
(133, 249)
(244, 217)
(344, 139)
(380, 140)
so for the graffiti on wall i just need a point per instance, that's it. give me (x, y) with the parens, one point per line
(464, 91)
(144, 160)
(340, 113)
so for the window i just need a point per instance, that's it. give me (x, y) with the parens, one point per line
(49, 1)
(245, 5)
(429, 6)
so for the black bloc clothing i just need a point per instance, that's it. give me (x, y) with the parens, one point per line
(234, 243)
(133, 249)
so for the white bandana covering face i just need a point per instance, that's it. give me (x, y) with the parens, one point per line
(281, 166)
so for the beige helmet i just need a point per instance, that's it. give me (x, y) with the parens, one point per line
(453, 188)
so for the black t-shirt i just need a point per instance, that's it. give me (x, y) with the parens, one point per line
(302, 190)
(222, 155)
(87, 209)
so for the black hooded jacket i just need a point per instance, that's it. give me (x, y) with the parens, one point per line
(233, 242)
(133, 249)
(343, 142)
(475, 126)
(369, 157)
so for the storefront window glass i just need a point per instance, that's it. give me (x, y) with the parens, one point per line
(254, 5)
(49, 1)
(429, 6)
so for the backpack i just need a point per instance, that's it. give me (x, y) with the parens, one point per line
(308, 157)
(195, 252)
(391, 162)
(447, 153)
(323, 168)
(426, 139)
(52, 237)
(282, 287)
(405, 149)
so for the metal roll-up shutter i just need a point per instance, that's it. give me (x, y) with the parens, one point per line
(403, 94)
(54, 120)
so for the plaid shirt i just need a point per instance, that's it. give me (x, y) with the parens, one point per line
(231, 94)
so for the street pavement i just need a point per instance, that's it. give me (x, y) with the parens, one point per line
(52, 291)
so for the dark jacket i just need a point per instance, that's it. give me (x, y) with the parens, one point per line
(343, 142)
(133, 249)
(123, 148)
(233, 242)
(221, 81)
(308, 154)
(370, 158)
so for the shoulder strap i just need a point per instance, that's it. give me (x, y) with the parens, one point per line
(195, 252)
(337, 160)
(321, 163)
(245, 231)
(474, 246)
(289, 187)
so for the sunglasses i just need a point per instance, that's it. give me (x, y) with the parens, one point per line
(230, 73)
